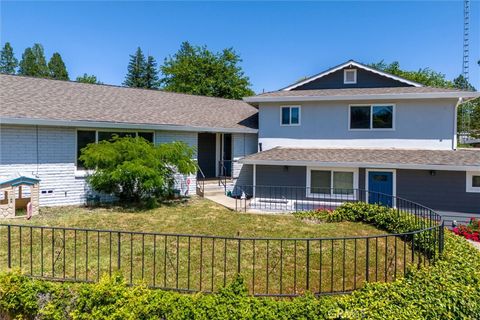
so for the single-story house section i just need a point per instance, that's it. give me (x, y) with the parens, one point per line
(44, 124)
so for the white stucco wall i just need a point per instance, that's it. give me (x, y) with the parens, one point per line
(418, 125)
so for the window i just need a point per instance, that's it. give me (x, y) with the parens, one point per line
(336, 181)
(371, 117)
(290, 116)
(85, 137)
(473, 181)
(350, 76)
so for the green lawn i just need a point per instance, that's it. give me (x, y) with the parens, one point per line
(204, 263)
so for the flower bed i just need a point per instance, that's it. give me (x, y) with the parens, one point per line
(470, 231)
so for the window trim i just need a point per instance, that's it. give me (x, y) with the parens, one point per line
(290, 118)
(332, 169)
(345, 71)
(79, 173)
(469, 183)
(394, 108)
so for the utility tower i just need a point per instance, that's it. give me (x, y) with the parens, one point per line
(465, 114)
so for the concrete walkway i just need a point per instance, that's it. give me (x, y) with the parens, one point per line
(223, 200)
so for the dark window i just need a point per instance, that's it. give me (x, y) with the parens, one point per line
(286, 115)
(83, 139)
(360, 117)
(294, 115)
(320, 181)
(476, 181)
(382, 117)
(147, 136)
(109, 135)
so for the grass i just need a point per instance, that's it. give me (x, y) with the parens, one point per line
(203, 263)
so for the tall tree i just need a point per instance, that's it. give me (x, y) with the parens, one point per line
(136, 70)
(8, 62)
(88, 79)
(33, 62)
(197, 70)
(150, 78)
(57, 67)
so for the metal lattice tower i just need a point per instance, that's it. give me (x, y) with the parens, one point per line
(466, 36)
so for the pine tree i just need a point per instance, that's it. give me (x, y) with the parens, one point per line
(151, 74)
(136, 70)
(8, 62)
(57, 68)
(33, 62)
(88, 79)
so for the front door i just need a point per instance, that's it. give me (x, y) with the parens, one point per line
(206, 153)
(226, 152)
(380, 187)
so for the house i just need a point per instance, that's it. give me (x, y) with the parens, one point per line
(354, 127)
(45, 123)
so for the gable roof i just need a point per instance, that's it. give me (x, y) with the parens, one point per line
(27, 100)
(358, 94)
(461, 159)
(351, 63)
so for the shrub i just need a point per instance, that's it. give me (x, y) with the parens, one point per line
(470, 231)
(450, 289)
(136, 171)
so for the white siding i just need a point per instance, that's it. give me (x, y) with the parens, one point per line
(244, 144)
(191, 138)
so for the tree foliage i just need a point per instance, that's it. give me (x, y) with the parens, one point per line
(57, 68)
(135, 170)
(33, 62)
(197, 70)
(135, 77)
(151, 80)
(86, 78)
(8, 62)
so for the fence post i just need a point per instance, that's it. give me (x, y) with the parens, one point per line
(441, 237)
(308, 264)
(118, 253)
(9, 247)
(367, 260)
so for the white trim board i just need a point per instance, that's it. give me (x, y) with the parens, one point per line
(351, 63)
(469, 187)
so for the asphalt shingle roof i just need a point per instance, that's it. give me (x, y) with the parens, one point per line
(460, 157)
(34, 98)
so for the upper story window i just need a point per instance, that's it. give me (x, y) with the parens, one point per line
(85, 137)
(290, 116)
(473, 181)
(372, 117)
(350, 76)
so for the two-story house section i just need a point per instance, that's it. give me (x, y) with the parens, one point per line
(354, 127)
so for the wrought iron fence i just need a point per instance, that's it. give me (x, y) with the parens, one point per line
(191, 263)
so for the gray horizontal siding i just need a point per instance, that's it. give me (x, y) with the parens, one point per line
(445, 191)
(365, 79)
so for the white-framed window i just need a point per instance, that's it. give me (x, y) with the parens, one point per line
(290, 115)
(350, 76)
(371, 117)
(88, 136)
(340, 182)
(473, 181)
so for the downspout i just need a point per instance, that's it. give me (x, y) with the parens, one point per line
(455, 127)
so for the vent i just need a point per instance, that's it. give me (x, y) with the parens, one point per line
(350, 76)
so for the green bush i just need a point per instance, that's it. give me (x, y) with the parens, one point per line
(450, 289)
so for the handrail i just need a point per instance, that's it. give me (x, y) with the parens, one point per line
(222, 177)
(201, 187)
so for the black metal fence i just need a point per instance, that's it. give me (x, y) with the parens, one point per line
(191, 263)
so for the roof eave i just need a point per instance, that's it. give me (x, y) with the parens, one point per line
(360, 165)
(394, 96)
(120, 125)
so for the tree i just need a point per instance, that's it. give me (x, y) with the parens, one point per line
(8, 62)
(135, 170)
(88, 79)
(33, 62)
(151, 74)
(136, 70)
(197, 70)
(57, 67)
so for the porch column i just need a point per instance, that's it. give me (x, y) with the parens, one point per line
(254, 179)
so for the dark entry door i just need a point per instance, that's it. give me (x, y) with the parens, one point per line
(380, 185)
(207, 153)
(227, 155)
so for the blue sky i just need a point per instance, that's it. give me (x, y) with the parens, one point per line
(280, 42)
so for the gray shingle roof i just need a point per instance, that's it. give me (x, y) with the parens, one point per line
(369, 157)
(34, 98)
